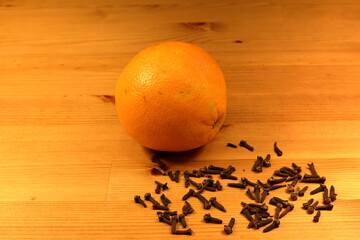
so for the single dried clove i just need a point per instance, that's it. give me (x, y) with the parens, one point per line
(217, 205)
(301, 193)
(326, 207)
(148, 197)
(228, 228)
(263, 195)
(249, 194)
(231, 145)
(244, 144)
(204, 201)
(289, 208)
(312, 169)
(138, 199)
(326, 198)
(280, 174)
(311, 208)
(224, 175)
(317, 216)
(160, 186)
(258, 164)
(277, 150)
(273, 181)
(296, 168)
(209, 219)
(188, 194)
(257, 193)
(332, 193)
(314, 180)
(187, 208)
(266, 162)
(183, 232)
(165, 200)
(177, 176)
(171, 176)
(182, 220)
(273, 225)
(237, 185)
(262, 223)
(247, 181)
(278, 210)
(293, 196)
(273, 187)
(319, 189)
(308, 203)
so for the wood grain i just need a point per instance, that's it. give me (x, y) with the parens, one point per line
(69, 171)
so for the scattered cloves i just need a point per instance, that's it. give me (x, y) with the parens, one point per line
(217, 205)
(188, 194)
(308, 203)
(273, 181)
(326, 198)
(204, 201)
(312, 169)
(263, 195)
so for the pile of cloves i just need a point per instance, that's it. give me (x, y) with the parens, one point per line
(257, 213)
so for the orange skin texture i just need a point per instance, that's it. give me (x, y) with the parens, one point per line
(172, 97)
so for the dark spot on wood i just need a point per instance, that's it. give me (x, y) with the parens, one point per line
(145, 99)
(203, 26)
(161, 93)
(8, 5)
(238, 41)
(125, 91)
(106, 98)
(33, 198)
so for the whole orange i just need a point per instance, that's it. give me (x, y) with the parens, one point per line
(172, 97)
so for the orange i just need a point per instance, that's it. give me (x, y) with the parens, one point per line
(171, 97)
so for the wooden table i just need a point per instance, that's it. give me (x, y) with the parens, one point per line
(69, 171)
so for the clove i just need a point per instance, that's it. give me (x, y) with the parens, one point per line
(237, 185)
(273, 225)
(326, 207)
(231, 145)
(312, 169)
(311, 208)
(244, 144)
(332, 193)
(314, 180)
(217, 205)
(277, 150)
(326, 198)
(249, 194)
(263, 195)
(165, 200)
(319, 189)
(289, 208)
(188, 194)
(308, 203)
(182, 220)
(301, 193)
(209, 219)
(228, 228)
(317, 216)
(138, 199)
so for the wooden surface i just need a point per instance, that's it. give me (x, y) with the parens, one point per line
(69, 171)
